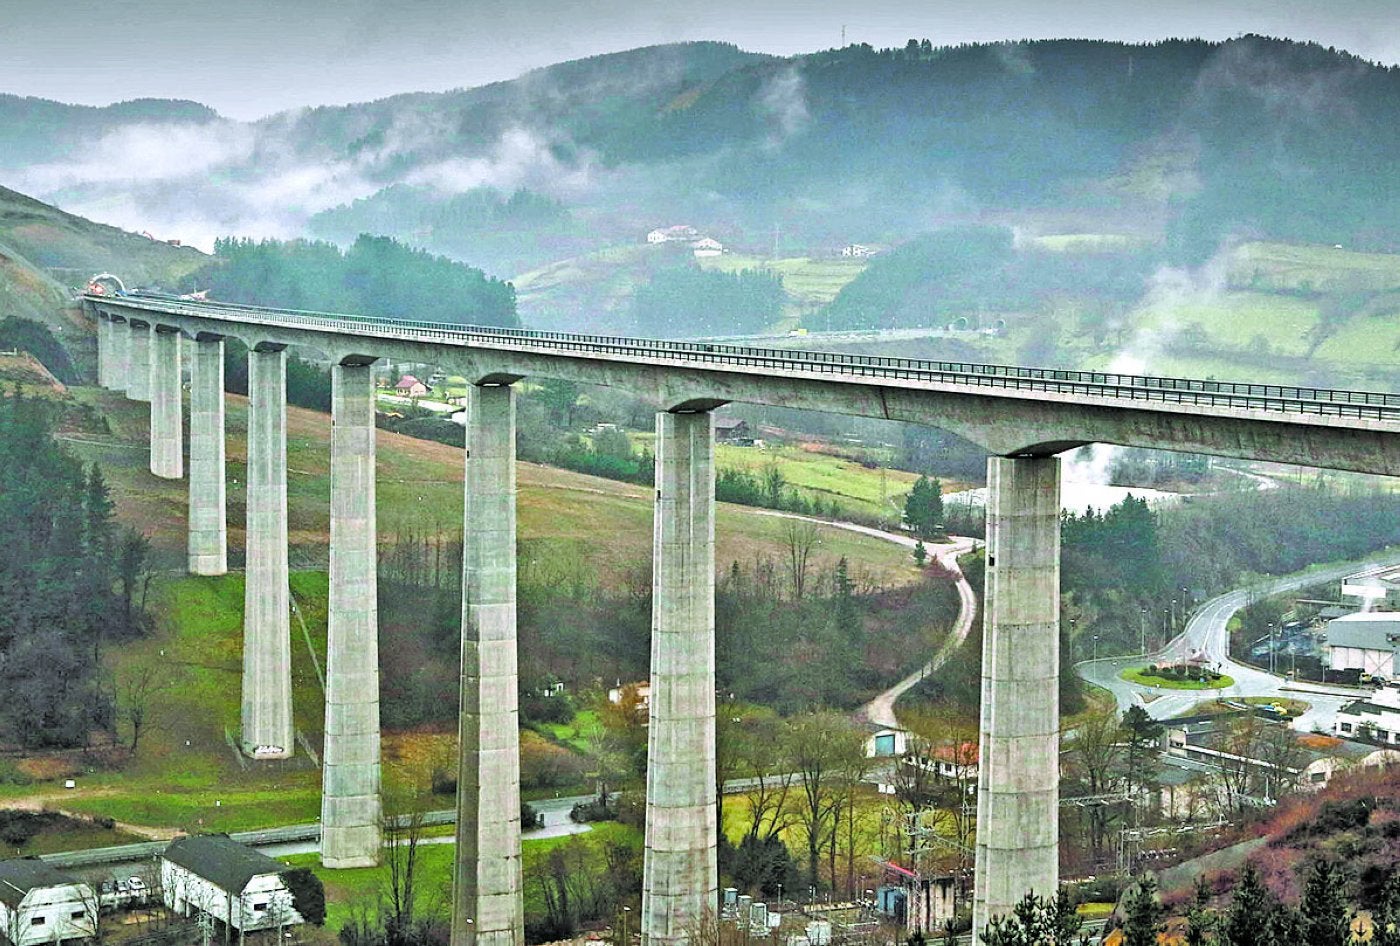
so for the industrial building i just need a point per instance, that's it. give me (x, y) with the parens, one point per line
(1364, 641)
(1376, 718)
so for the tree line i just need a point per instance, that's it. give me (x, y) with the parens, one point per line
(72, 581)
(376, 276)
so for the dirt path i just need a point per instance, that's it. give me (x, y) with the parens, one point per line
(53, 802)
(880, 710)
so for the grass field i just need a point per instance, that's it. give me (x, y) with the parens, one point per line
(808, 282)
(859, 489)
(420, 488)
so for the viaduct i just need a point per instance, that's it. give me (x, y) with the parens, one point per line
(1022, 416)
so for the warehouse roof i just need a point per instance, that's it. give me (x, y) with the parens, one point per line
(1367, 630)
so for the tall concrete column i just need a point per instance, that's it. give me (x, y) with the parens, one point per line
(119, 362)
(167, 421)
(138, 362)
(680, 881)
(208, 531)
(104, 347)
(267, 673)
(350, 807)
(1018, 766)
(487, 901)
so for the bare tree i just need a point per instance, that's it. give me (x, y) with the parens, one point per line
(1096, 763)
(137, 687)
(800, 538)
(824, 749)
(402, 823)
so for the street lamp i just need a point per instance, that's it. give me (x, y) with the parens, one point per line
(1096, 647)
(1142, 632)
(625, 939)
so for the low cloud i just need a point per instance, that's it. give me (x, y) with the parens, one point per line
(782, 102)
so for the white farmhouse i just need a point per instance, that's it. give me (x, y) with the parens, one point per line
(238, 886)
(41, 904)
(681, 233)
(707, 247)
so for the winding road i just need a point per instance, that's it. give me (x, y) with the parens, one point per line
(1206, 634)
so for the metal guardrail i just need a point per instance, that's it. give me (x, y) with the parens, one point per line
(126, 853)
(1095, 385)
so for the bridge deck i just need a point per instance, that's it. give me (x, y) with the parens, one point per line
(833, 366)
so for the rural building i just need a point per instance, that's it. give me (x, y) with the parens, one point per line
(885, 742)
(707, 247)
(957, 763)
(1364, 641)
(676, 234)
(41, 904)
(409, 386)
(1328, 755)
(639, 693)
(1377, 717)
(238, 886)
(732, 430)
(860, 251)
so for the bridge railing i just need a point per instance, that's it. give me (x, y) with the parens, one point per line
(1095, 384)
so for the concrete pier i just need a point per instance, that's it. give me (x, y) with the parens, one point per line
(138, 362)
(167, 421)
(487, 900)
(208, 531)
(680, 883)
(350, 805)
(267, 674)
(1018, 784)
(119, 361)
(104, 349)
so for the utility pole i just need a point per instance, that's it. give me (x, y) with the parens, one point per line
(1142, 632)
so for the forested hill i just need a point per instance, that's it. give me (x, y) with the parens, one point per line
(1189, 139)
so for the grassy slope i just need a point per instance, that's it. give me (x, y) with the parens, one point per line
(197, 641)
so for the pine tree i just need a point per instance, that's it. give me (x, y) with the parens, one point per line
(920, 553)
(1144, 911)
(1252, 920)
(1385, 918)
(1200, 922)
(1324, 912)
(923, 507)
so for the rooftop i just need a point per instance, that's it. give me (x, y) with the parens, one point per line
(1368, 630)
(221, 860)
(20, 875)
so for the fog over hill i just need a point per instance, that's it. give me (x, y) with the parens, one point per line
(1194, 139)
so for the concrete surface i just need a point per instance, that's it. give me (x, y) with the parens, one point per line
(167, 414)
(208, 526)
(138, 361)
(267, 660)
(680, 881)
(1018, 784)
(350, 776)
(487, 888)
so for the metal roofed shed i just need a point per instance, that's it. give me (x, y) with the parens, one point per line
(41, 904)
(230, 881)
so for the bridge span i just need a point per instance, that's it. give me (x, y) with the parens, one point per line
(1022, 416)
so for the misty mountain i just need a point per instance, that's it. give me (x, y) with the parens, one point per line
(34, 130)
(1187, 142)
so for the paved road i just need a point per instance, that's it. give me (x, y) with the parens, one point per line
(1207, 636)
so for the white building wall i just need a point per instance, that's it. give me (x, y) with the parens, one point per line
(55, 908)
(1375, 662)
(264, 904)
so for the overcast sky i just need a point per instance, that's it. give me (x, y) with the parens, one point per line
(248, 58)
